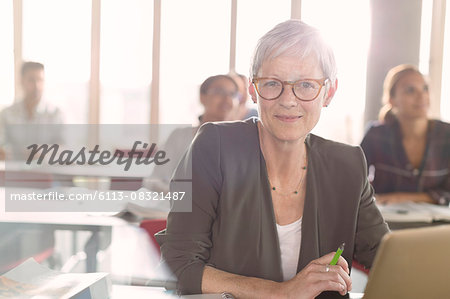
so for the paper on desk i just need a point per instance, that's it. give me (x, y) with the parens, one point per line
(414, 212)
(32, 280)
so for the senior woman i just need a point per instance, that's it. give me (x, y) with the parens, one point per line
(270, 201)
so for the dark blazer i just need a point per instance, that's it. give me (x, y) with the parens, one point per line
(232, 223)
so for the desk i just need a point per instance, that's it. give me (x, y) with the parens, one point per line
(111, 170)
(414, 215)
(95, 176)
(100, 227)
(407, 225)
(127, 247)
(120, 291)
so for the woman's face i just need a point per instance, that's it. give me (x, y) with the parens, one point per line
(218, 99)
(288, 118)
(411, 97)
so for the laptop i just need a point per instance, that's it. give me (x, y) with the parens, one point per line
(412, 263)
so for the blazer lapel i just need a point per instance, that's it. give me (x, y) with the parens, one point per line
(269, 242)
(310, 246)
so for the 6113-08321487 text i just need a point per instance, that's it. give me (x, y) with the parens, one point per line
(97, 195)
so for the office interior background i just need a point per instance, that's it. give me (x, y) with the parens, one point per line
(142, 61)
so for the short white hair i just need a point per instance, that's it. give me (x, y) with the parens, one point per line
(294, 38)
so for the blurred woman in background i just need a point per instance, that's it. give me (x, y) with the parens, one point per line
(408, 153)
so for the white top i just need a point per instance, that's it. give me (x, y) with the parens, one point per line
(290, 237)
(44, 113)
(13, 139)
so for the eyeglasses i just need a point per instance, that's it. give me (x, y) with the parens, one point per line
(222, 93)
(304, 90)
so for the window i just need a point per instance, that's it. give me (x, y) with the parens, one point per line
(445, 94)
(254, 19)
(346, 25)
(6, 54)
(425, 36)
(126, 61)
(195, 44)
(58, 34)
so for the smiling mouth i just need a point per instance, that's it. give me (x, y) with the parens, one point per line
(288, 118)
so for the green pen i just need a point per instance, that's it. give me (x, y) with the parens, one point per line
(337, 255)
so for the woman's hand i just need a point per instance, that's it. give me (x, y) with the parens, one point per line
(399, 197)
(318, 276)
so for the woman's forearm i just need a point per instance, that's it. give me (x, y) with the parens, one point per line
(318, 276)
(218, 281)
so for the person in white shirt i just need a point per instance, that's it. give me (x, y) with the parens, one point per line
(31, 110)
(217, 94)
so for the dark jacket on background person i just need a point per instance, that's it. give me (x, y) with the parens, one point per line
(384, 150)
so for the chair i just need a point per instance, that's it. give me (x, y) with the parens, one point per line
(152, 226)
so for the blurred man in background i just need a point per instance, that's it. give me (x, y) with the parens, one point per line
(30, 110)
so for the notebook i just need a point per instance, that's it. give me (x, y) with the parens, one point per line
(410, 264)
(414, 212)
